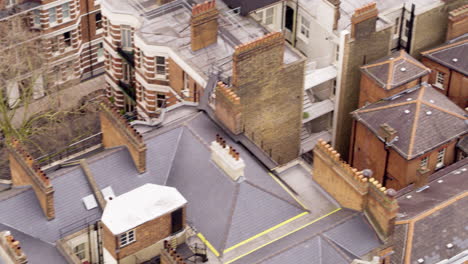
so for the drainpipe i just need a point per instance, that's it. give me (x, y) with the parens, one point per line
(296, 15)
(387, 155)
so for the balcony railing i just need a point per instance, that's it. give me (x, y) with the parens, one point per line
(127, 55)
(128, 89)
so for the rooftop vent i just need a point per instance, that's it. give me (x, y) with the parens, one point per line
(428, 113)
(90, 202)
(454, 59)
(402, 69)
(449, 245)
(431, 101)
(409, 99)
(408, 196)
(421, 260)
(407, 111)
(464, 169)
(108, 193)
(440, 181)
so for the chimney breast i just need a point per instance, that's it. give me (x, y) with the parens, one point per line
(364, 20)
(204, 25)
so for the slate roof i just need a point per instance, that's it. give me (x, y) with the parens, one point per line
(423, 118)
(446, 54)
(222, 210)
(37, 251)
(331, 240)
(438, 217)
(247, 6)
(395, 70)
(463, 144)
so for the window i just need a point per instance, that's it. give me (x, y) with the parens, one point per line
(98, 18)
(337, 53)
(161, 99)
(36, 18)
(67, 39)
(80, 251)
(127, 72)
(65, 10)
(52, 15)
(269, 15)
(407, 28)
(126, 37)
(440, 158)
(100, 52)
(54, 42)
(289, 19)
(397, 25)
(127, 238)
(424, 162)
(161, 66)
(305, 25)
(440, 77)
(186, 91)
(176, 220)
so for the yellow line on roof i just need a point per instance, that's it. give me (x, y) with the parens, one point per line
(297, 229)
(287, 190)
(265, 232)
(208, 244)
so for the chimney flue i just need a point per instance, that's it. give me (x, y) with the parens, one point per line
(204, 25)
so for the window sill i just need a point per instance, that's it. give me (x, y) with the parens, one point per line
(439, 86)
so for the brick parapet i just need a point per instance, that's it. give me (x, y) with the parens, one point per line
(117, 131)
(25, 171)
(273, 38)
(228, 108)
(13, 248)
(204, 8)
(365, 12)
(169, 255)
(459, 13)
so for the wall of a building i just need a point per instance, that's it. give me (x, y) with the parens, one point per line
(357, 52)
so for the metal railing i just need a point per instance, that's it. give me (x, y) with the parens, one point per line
(71, 149)
(79, 224)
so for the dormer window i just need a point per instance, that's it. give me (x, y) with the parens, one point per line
(127, 238)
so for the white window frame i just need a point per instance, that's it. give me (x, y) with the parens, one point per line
(440, 158)
(36, 18)
(127, 238)
(126, 36)
(100, 52)
(424, 163)
(186, 90)
(80, 253)
(52, 13)
(157, 64)
(397, 26)
(269, 19)
(439, 80)
(66, 10)
(304, 28)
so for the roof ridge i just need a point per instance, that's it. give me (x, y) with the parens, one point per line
(173, 157)
(273, 194)
(443, 110)
(390, 72)
(445, 46)
(415, 120)
(384, 107)
(231, 215)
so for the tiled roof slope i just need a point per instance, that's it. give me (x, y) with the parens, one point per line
(395, 70)
(423, 118)
(224, 211)
(332, 240)
(431, 219)
(451, 55)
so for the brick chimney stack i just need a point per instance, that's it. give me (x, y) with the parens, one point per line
(364, 20)
(457, 22)
(12, 248)
(204, 25)
(227, 158)
(25, 171)
(387, 133)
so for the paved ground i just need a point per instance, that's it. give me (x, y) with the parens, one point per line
(62, 100)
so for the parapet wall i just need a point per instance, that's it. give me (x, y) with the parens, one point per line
(353, 190)
(11, 249)
(25, 171)
(116, 131)
(228, 108)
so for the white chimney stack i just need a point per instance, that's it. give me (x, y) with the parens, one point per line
(227, 158)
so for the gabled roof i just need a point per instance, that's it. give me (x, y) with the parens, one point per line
(451, 55)
(423, 118)
(395, 70)
(431, 219)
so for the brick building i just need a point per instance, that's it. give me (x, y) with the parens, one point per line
(178, 54)
(406, 137)
(70, 34)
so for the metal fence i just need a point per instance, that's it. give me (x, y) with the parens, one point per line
(72, 149)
